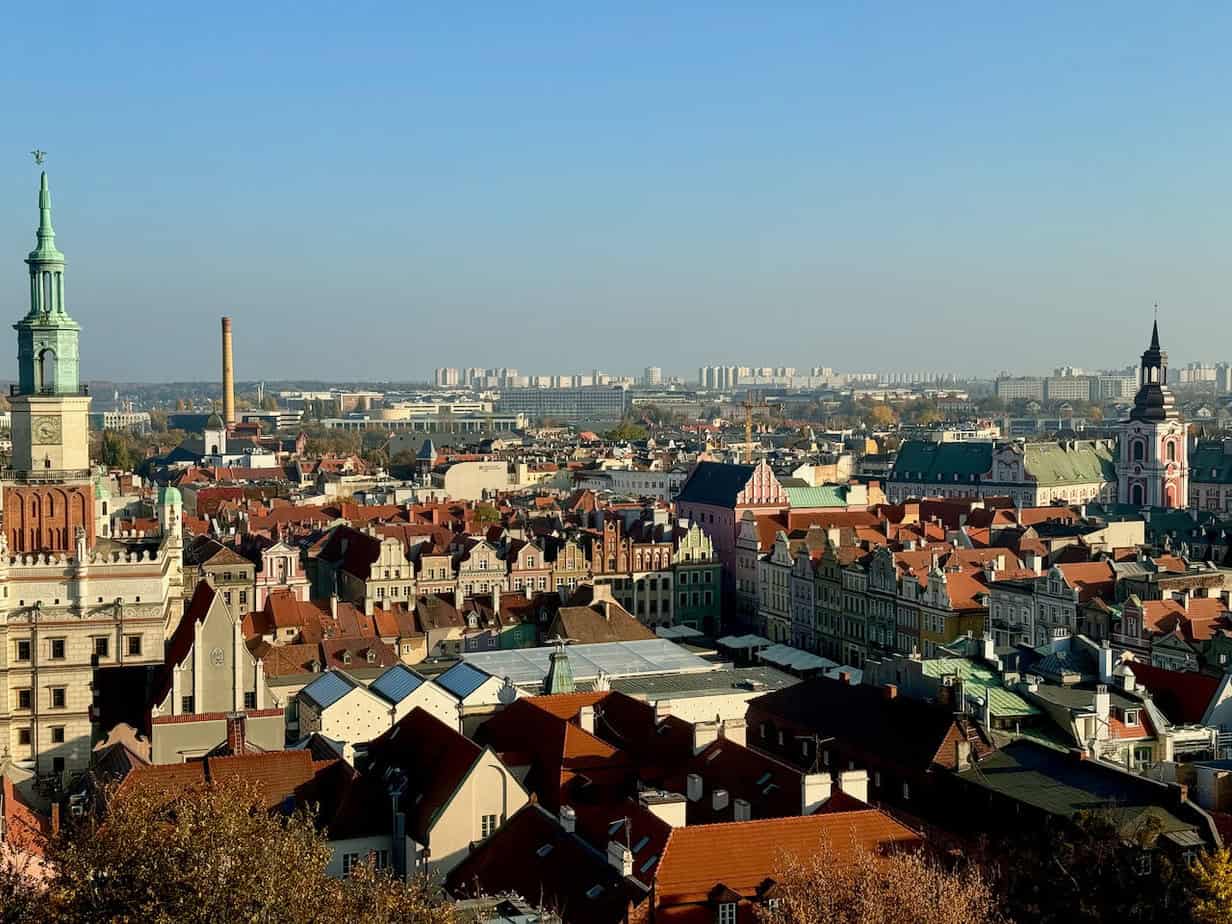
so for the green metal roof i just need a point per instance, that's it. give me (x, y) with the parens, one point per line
(1083, 462)
(1209, 464)
(829, 495)
(981, 681)
(924, 460)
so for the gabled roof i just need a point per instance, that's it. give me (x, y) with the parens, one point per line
(1183, 696)
(901, 731)
(396, 684)
(532, 855)
(329, 688)
(462, 680)
(742, 855)
(432, 757)
(716, 484)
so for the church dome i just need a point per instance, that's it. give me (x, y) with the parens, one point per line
(169, 494)
(214, 422)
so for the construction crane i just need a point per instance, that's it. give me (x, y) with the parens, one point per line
(751, 405)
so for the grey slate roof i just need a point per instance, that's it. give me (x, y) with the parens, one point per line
(715, 484)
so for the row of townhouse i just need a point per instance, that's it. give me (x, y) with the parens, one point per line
(850, 604)
(667, 575)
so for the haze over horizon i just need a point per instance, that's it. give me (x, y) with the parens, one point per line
(558, 189)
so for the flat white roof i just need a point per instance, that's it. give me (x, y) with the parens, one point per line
(527, 666)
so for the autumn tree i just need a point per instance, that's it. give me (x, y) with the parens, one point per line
(881, 415)
(1211, 892)
(207, 854)
(910, 887)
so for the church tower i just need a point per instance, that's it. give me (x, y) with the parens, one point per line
(1153, 465)
(47, 494)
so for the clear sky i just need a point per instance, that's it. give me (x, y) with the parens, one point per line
(373, 190)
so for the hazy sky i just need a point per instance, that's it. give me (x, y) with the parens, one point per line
(373, 190)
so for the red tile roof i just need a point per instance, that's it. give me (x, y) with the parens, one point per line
(742, 855)
(1183, 696)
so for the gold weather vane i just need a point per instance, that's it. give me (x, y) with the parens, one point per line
(39, 156)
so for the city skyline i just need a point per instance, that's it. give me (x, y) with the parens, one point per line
(585, 182)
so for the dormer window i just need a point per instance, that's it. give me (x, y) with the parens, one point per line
(346, 657)
(1131, 716)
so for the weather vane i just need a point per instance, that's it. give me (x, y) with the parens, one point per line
(39, 156)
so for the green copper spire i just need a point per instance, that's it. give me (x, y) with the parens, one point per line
(46, 337)
(560, 672)
(46, 251)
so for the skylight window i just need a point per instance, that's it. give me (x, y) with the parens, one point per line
(713, 754)
(615, 826)
(544, 850)
(763, 779)
(641, 843)
(651, 861)
(594, 891)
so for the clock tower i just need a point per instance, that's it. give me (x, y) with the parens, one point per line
(47, 493)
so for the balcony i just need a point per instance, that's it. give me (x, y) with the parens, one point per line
(82, 391)
(44, 475)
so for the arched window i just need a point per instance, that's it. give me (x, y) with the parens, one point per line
(1135, 495)
(1171, 450)
(1137, 450)
(46, 371)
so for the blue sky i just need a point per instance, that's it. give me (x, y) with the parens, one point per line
(561, 186)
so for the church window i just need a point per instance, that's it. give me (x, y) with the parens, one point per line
(1171, 450)
(1138, 450)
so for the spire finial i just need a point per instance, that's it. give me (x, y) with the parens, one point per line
(1155, 329)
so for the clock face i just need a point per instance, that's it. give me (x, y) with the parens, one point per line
(45, 430)
(217, 658)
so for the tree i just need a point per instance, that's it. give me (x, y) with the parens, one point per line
(486, 514)
(211, 853)
(898, 888)
(628, 430)
(881, 415)
(269, 403)
(116, 452)
(1094, 867)
(1212, 887)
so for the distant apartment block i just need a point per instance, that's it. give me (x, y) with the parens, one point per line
(595, 403)
(1022, 388)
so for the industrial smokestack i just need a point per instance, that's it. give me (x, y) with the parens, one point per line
(228, 375)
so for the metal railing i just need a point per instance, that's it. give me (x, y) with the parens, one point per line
(81, 391)
(44, 475)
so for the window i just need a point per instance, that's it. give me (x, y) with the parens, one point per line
(23, 649)
(134, 645)
(24, 699)
(102, 646)
(487, 825)
(57, 697)
(1143, 864)
(227, 597)
(23, 736)
(727, 913)
(57, 734)
(186, 705)
(243, 597)
(250, 700)
(349, 862)
(906, 792)
(57, 649)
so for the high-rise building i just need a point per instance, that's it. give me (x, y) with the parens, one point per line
(652, 376)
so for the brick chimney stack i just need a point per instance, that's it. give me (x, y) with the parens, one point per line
(228, 375)
(237, 732)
